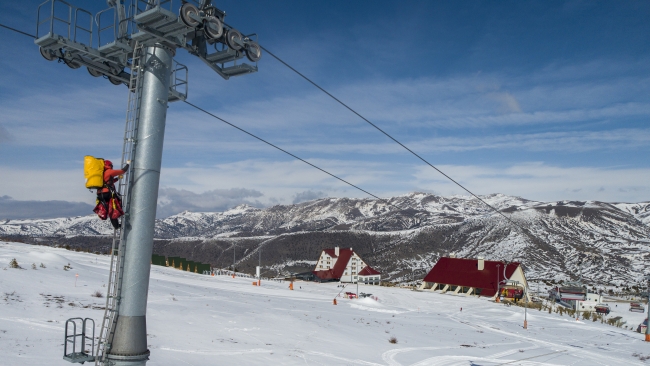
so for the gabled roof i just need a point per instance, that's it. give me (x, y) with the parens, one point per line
(368, 271)
(464, 272)
(331, 252)
(341, 262)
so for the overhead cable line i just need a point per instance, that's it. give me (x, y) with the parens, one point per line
(17, 31)
(351, 110)
(290, 154)
(387, 135)
(258, 138)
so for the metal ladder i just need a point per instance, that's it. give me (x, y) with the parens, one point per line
(117, 250)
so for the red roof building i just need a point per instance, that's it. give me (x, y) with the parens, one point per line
(344, 265)
(476, 277)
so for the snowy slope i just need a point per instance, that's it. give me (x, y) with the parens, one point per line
(200, 320)
(640, 210)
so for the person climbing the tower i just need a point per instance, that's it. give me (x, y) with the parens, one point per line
(108, 195)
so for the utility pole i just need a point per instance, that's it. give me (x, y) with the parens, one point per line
(526, 308)
(130, 339)
(233, 258)
(647, 304)
(496, 298)
(144, 41)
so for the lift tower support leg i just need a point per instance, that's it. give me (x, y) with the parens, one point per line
(129, 344)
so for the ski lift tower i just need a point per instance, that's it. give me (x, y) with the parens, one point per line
(133, 43)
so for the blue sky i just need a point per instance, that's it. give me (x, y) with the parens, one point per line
(545, 100)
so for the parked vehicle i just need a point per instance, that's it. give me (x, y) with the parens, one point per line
(602, 309)
(637, 307)
(642, 327)
(350, 295)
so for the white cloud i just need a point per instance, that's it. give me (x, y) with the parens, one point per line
(308, 196)
(264, 183)
(172, 200)
(539, 181)
(16, 209)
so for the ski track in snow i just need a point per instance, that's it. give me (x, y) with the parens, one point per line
(197, 320)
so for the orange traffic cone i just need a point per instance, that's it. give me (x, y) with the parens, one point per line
(334, 301)
(647, 337)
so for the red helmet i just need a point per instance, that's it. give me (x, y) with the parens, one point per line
(108, 164)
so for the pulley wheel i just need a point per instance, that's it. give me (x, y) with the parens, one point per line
(94, 72)
(186, 10)
(72, 64)
(46, 54)
(213, 28)
(233, 39)
(253, 52)
(114, 81)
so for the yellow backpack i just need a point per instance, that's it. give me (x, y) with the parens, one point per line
(94, 172)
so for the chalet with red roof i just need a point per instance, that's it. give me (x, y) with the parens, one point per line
(477, 277)
(344, 265)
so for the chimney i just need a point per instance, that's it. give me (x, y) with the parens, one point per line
(481, 263)
(336, 251)
(452, 255)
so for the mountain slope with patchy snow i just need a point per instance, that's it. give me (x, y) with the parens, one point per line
(602, 242)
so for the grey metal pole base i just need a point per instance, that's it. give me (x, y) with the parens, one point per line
(139, 360)
(129, 343)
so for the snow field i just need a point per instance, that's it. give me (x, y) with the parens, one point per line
(202, 320)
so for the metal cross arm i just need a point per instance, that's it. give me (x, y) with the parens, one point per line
(104, 43)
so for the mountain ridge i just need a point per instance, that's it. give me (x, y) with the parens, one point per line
(599, 241)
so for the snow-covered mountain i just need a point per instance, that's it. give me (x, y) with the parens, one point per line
(403, 237)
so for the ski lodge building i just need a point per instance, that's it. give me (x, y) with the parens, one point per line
(343, 264)
(477, 277)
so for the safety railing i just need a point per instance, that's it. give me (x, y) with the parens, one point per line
(143, 5)
(57, 17)
(119, 28)
(82, 353)
(229, 273)
(178, 80)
